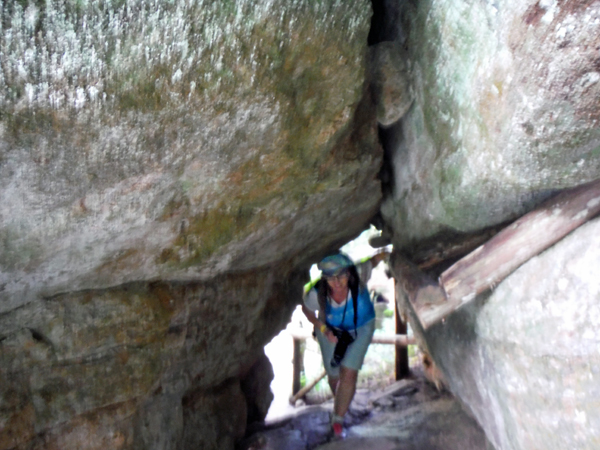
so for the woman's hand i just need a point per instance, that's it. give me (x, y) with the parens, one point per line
(312, 318)
(329, 335)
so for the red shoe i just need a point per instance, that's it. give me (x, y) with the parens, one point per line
(338, 430)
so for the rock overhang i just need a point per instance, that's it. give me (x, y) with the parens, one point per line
(156, 143)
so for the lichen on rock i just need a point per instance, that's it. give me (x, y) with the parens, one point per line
(166, 171)
(182, 123)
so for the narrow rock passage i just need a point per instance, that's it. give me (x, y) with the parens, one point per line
(408, 415)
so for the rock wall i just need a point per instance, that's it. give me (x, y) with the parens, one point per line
(504, 115)
(144, 140)
(168, 172)
(524, 357)
(142, 361)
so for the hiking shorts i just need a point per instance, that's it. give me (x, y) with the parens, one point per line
(355, 354)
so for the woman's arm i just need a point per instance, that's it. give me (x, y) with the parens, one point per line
(312, 318)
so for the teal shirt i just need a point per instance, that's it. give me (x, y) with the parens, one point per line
(342, 316)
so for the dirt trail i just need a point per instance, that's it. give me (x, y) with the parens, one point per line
(409, 415)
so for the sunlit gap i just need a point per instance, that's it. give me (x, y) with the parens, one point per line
(379, 368)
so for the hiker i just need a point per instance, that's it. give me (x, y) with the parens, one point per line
(344, 328)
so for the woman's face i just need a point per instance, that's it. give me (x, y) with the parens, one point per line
(338, 282)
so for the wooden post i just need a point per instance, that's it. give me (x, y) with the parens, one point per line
(516, 244)
(298, 364)
(401, 353)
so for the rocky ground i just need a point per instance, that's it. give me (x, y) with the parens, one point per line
(410, 415)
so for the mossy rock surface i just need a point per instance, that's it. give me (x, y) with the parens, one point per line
(168, 169)
(150, 140)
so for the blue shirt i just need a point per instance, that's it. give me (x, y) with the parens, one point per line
(342, 316)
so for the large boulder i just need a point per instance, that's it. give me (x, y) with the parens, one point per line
(125, 360)
(177, 140)
(168, 171)
(390, 82)
(524, 358)
(505, 115)
(505, 112)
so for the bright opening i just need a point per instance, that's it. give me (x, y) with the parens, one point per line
(379, 367)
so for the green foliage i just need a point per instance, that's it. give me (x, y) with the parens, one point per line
(412, 351)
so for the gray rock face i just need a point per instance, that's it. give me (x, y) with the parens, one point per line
(138, 362)
(390, 81)
(525, 357)
(155, 141)
(167, 172)
(410, 415)
(505, 112)
(256, 388)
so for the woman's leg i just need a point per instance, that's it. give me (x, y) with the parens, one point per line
(333, 373)
(346, 387)
(351, 364)
(333, 382)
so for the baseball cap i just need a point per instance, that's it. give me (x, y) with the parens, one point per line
(333, 265)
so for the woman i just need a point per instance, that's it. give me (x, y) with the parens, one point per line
(346, 321)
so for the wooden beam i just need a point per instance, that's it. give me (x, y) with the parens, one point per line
(401, 340)
(490, 263)
(302, 392)
(527, 237)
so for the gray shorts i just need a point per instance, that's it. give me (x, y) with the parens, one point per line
(355, 354)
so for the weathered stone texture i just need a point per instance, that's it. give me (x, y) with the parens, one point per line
(525, 357)
(140, 349)
(505, 115)
(506, 97)
(256, 388)
(146, 140)
(166, 169)
(390, 81)
(214, 420)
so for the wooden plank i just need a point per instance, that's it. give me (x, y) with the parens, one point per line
(306, 389)
(395, 388)
(401, 340)
(524, 239)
